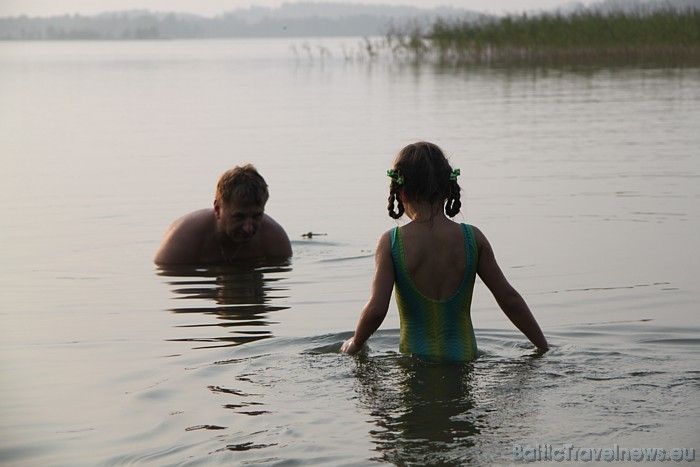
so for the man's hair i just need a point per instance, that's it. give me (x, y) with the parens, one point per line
(243, 185)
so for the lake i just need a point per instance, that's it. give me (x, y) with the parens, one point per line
(586, 181)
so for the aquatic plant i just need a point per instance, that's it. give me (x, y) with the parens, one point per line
(665, 36)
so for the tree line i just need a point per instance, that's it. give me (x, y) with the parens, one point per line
(289, 20)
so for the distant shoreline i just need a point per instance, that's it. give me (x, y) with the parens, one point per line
(310, 19)
(666, 36)
(290, 20)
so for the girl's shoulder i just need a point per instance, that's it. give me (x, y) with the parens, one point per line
(386, 238)
(478, 235)
(473, 228)
(384, 245)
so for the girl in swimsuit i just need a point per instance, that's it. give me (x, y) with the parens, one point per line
(433, 262)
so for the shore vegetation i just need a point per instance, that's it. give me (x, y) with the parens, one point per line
(667, 37)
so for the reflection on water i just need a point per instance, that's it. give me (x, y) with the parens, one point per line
(241, 297)
(631, 383)
(297, 400)
(428, 413)
(420, 410)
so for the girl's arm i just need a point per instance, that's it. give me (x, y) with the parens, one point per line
(378, 304)
(510, 301)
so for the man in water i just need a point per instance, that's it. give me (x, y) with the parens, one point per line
(237, 228)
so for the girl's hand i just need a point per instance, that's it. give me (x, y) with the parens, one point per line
(349, 347)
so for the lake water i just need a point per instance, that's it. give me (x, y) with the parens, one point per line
(587, 183)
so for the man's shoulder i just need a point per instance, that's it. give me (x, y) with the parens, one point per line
(268, 221)
(199, 221)
(275, 238)
(184, 238)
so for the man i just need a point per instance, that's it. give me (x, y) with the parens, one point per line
(237, 228)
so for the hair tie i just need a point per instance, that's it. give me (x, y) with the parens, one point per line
(454, 174)
(395, 177)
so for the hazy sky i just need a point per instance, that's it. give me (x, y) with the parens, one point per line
(214, 7)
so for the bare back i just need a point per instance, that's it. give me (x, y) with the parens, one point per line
(435, 256)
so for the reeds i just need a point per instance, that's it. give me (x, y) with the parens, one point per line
(667, 37)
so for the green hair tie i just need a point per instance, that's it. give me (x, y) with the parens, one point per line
(395, 177)
(453, 176)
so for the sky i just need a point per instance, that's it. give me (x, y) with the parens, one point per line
(215, 7)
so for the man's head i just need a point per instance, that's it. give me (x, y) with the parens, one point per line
(240, 200)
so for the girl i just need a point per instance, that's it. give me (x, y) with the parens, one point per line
(433, 262)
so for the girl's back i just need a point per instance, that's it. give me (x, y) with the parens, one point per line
(435, 256)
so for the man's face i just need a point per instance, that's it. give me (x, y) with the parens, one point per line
(239, 222)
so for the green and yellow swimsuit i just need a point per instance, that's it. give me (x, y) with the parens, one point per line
(436, 328)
